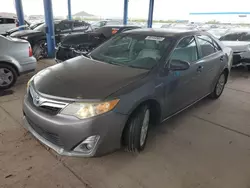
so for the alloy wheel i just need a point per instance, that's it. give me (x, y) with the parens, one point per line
(6, 77)
(144, 128)
(220, 85)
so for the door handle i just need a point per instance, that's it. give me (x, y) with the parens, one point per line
(199, 69)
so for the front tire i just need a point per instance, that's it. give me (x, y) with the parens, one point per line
(8, 76)
(136, 131)
(219, 86)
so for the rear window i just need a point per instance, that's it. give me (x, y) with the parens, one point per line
(7, 21)
(10, 21)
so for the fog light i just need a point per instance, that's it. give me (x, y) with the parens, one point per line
(88, 144)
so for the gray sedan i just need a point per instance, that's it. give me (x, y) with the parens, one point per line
(15, 59)
(89, 106)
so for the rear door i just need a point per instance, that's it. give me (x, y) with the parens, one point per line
(211, 59)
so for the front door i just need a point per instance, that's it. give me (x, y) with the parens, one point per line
(180, 86)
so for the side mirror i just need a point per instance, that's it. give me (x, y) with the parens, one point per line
(178, 65)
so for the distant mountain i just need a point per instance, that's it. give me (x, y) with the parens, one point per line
(84, 14)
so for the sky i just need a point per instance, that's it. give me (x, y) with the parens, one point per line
(164, 9)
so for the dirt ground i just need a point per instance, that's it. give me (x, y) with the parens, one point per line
(207, 146)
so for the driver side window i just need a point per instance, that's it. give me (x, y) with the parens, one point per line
(186, 50)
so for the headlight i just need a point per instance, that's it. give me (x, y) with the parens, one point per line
(30, 80)
(24, 38)
(86, 110)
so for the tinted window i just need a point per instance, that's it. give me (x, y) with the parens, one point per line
(139, 51)
(1, 20)
(207, 45)
(245, 37)
(9, 21)
(186, 50)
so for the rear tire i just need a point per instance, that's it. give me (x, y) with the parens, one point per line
(136, 130)
(8, 76)
(219, 86)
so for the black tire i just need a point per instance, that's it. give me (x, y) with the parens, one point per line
(132, 133)
(13, 77)
(215, 94)
(38, 49)
(248, 67)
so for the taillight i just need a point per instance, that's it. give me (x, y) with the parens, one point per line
(30, 52)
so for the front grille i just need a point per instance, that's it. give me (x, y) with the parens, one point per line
(51, 137)
(51, 110)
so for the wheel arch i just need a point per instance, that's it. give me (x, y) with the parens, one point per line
(226, 70)
(12, 65)
(155, 112)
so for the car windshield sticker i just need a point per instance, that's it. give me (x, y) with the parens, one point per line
(154, 38)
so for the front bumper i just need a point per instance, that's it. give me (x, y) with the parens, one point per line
(64, 133)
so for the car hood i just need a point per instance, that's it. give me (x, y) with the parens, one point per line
(86, 79)
(237, 45)
(25, 33)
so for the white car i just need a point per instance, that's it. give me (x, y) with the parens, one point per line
(16, 58)
(7, 23)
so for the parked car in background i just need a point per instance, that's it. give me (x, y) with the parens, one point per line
(37, 36)
(7, 23)
(101, 23)
(239, 41)
(24, 27)
(80, 44)
(218, 32)
(89, 106)
(15, 59)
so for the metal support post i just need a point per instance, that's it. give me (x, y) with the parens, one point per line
(50, 33)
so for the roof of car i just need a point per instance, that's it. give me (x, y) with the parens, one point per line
(163, 32)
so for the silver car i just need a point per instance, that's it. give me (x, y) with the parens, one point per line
(16, 58)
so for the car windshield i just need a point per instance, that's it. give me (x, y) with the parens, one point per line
(40, 28)
(133, 50)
